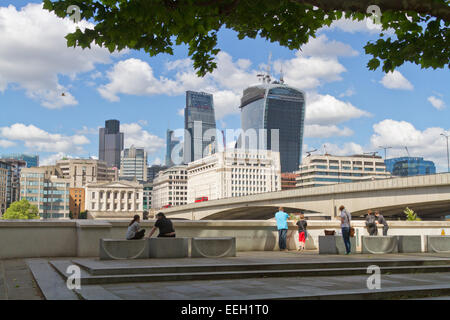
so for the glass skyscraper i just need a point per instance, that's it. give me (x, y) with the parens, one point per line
(133, 164)
(199, 125)
(31, 161)
(280, 110)
(171, 143)
(410, 166)
(111, 143)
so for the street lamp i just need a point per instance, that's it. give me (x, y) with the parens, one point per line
(448, 156)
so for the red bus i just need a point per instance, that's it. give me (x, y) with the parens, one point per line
(167, 206)
(201, 199)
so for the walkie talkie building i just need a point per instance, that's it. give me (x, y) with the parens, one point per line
(276, 106)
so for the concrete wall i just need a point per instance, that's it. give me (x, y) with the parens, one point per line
(27, 239)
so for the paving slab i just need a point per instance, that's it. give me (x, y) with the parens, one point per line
(50, 282)
(16, 281)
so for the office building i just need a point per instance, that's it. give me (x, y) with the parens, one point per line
(153, 171)
(272, 118)
(233, 173)
(111, 143)
(288, 181)
(133, 164)
(199, 125)
(13, 187)
(84, 171)
(147, 203)
(409, 166)
(46, 188)
(171, 143)
(170, 188)
(114, 200)
(30, 160)
(5, 170)
(77, 201)
(323, 170)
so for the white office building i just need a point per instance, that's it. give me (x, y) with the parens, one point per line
(133, 164)
(233, 173)
(323, 170)
(170, 188)
(114, 200)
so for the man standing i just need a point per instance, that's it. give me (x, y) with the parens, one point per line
(382, 220)
(346, 218)
(371, 224)
(282, 226)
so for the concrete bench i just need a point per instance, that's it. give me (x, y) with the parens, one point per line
(213, 247)
(335, 245)
(113, 249)
(438, 244)
(409, 244)
(379, 244)
(168, 247)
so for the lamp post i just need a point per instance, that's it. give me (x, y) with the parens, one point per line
(448, 156)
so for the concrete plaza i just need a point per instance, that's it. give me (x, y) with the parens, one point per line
(338, 277)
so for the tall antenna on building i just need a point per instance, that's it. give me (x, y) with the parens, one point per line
(269, 62)
(385, 148)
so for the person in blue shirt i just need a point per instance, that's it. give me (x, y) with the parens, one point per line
(282, 226)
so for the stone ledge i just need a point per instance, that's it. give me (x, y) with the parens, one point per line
(213, 247)
(379, 244)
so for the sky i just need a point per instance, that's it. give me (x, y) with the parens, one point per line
(349, 109)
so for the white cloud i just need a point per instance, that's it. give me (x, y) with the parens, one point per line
(437, 103)
(348, 93)
(308, 69)
(395, 80)
(327, 110)
(6, 143)
(353, 26)
(426, 143)
(319, 131)
(348, 148)
(135, 135)
(34, 53)
(37, 139)
(51, 160)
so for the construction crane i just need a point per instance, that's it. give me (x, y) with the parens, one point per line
(407, 151)
(385, 148)
(308, 153)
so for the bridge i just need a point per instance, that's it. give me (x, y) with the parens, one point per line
(427, 195)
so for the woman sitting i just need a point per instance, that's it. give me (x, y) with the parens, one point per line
(164, 225)
(134, 230)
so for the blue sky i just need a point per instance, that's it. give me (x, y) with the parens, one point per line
(349, 108)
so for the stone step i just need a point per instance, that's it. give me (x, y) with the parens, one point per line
(52, 285)
(118, 269)
(123, 278)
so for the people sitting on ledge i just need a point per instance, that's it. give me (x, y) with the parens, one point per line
(134, 230)
(164, 225)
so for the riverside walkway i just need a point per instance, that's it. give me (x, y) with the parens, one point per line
(250, 275)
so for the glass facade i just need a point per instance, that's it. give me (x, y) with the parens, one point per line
(111, 143)
(171, 143)
(199, 125)
(134, 164)
(410, 166)
(31, 161)
(275, 108)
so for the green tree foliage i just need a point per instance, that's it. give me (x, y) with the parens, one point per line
(421, 27)
(21, 210)
(411, 215)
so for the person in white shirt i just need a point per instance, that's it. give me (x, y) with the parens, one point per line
(134, 231)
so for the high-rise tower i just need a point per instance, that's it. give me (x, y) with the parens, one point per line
(199, 125)
(111, 143)
(275, 105)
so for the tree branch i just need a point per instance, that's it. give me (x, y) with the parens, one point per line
(423, 7)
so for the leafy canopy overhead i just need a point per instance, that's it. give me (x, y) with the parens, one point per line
(21, 210)
(421, 26)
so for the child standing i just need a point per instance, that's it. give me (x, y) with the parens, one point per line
(302, 234)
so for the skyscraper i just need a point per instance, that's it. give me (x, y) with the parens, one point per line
(133, 164)
(111, 142)
(275, 106)
(410, 166)
(171, 142)
(199, 125)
